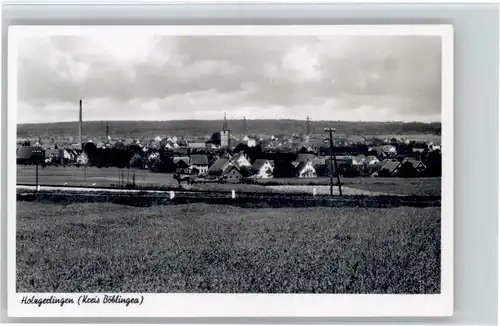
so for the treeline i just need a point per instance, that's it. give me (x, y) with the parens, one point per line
(188, 128)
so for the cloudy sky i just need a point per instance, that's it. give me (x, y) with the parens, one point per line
(129, 77)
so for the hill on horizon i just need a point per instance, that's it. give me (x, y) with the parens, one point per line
(139, 129)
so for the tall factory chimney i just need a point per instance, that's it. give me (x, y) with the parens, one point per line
(80, 140)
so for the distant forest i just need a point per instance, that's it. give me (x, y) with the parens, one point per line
(193, 128)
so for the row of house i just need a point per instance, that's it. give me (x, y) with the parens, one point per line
(238, 166)
(36, 154)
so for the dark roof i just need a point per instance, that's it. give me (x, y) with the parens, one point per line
(384, 162)
(319, 161)
(181, 164)
(199, 159)
(185, 159)
(391, 166)
(305, 156)
(218, 165)
(228, 168)
(29, 152)
(231, 167)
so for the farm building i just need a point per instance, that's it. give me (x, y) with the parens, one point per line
(232, 174)
(217, 168)
(181, 167)
(305, 169)
(181, 164)
(198, 164)
(30, 155)
(262, 168)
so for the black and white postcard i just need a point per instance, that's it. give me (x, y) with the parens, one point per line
(230, 171)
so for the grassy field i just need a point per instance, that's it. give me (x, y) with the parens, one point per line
(105, 177)
(202, 248)
(87, 176)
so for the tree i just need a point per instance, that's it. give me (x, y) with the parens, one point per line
(284, 169)
(241, 147)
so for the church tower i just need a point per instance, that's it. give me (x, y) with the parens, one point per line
(225, 134)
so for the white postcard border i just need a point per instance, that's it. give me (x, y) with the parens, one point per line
(247, 305)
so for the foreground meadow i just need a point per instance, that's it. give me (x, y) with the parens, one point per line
(102, 247)
(106, 177)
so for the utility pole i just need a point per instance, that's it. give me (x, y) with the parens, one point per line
(245, 127)
(308, 127)
(333, 160)
(80, 140)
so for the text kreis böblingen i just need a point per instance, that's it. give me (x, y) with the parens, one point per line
(82, 300)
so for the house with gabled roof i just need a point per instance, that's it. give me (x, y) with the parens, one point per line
(305, 169)
(232, 174)
(350, 159)
(82, 159)
(262, 168)
(413, 167)
(198, 163)
(241, 159)
(217, 168)
(52, 155)
(181, 164)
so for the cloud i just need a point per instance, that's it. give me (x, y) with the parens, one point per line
(136, 77)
